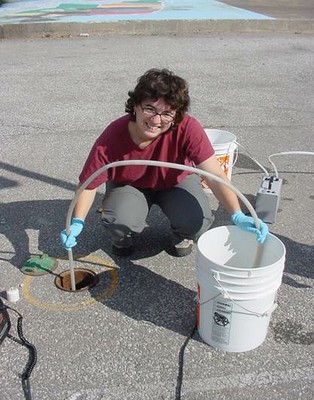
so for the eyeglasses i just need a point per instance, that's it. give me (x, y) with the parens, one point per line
(164, 116)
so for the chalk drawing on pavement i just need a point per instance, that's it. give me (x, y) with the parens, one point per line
(106, 10)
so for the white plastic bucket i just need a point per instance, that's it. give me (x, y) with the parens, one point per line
(224, 144)
(235, 298)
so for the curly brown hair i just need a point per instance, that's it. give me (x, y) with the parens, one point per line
(160, 83)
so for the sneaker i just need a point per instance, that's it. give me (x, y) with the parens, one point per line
(183, 248)
(122, 247)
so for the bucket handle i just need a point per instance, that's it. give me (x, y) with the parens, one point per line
(236, 156)
(226, 294)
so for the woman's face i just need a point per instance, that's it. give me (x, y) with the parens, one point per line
(153, 118)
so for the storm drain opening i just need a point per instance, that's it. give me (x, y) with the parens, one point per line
(84, 280)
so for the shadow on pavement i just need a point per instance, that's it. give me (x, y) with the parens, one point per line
(141, 293)
(20, 219)
(47, 217)
(144, 295)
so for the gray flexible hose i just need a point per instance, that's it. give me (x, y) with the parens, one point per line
(155, 164)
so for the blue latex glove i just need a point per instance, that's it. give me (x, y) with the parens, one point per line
(76, 227)
(247, 224)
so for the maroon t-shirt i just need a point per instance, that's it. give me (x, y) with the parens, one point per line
(187, 145)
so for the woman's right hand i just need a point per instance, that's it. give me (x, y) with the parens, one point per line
(76, 227)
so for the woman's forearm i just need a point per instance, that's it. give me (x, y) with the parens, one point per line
(84, 203)
(226, 197)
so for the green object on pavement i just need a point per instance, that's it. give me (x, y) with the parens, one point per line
(39, 265)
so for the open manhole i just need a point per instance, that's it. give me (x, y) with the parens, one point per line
(84, 279)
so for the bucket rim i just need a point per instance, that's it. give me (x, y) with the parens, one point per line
(227, 267)
(232, 139)
(227, 148)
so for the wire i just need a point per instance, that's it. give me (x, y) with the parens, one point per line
(283, 153)
(272, 155)
(253, 158)
(32, 358)
(181, 363)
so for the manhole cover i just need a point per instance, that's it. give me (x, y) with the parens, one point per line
(39, 265)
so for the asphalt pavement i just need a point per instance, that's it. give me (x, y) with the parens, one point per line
(127, 336)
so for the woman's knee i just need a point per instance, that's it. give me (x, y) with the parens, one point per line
(193, 227)
(187, 208)
(124, 209)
